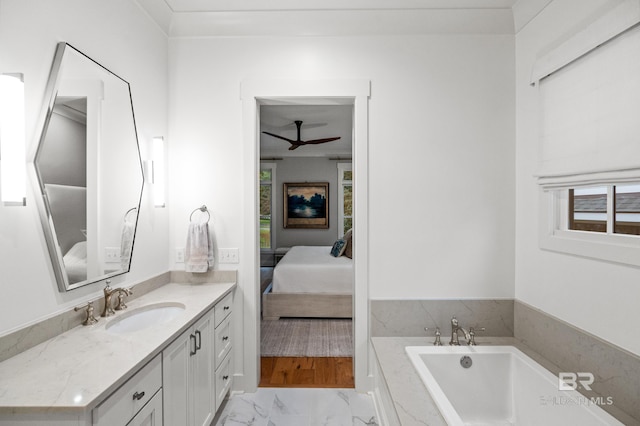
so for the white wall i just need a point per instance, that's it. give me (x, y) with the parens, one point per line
(119, 35)
(441, 128)
(596, 296)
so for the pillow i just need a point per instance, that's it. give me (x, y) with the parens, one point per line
(338, 248)
(348, 251)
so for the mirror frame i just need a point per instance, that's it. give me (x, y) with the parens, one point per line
(53, 246)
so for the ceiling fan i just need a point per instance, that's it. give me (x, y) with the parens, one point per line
(299, 142)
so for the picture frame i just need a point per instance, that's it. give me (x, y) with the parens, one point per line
(306, 205)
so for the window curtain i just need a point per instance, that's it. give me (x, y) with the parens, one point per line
(590, 105)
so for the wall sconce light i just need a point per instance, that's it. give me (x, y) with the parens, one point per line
(158, 172)
(12, 140)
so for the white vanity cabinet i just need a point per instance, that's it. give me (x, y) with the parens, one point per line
(137, 402)
(190, 366)
(156, 379)
(223, 346)
(187, 369)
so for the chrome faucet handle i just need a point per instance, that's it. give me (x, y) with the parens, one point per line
(437, 342)
(90, 319)
(472, 335)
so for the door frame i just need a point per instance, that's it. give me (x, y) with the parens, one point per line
(255, 93)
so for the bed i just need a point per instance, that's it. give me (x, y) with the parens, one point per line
(310, 283)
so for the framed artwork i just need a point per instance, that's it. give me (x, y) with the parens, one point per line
(306, 205)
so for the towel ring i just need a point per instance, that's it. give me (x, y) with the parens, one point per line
(129, 211)
(203, 209)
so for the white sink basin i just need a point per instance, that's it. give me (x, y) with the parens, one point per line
(145, 316)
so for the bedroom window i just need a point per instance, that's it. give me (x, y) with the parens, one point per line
(589, 158)
(613, 209)
(345, 198)
(267, 198)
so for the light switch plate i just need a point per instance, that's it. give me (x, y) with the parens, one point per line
(179, 255)
(112, 254)
(228, 255)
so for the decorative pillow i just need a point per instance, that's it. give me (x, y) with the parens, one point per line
(348, 251)
(338, 248)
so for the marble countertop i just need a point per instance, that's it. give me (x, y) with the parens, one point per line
(411, 399)
(74, 371)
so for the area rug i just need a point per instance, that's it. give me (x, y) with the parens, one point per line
(307, 337)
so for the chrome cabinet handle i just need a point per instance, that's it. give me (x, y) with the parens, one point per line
(138, 396)
(225, 308)
(225, 377)
(225, 338)
(198, 340)
(193, 349)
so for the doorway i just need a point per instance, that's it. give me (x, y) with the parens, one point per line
(306, 151)
(256, 94)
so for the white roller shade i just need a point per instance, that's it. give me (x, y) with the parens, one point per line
(590, 116)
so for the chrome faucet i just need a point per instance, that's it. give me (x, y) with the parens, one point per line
(108, 293)
(122, 293)
(455, 329)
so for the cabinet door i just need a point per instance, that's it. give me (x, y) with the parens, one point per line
(202, 393)
(176, 360)
(151, 414)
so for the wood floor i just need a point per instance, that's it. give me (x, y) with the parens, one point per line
(306, 372)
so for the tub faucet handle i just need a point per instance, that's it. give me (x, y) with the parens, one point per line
(472, 335)
(437, 342)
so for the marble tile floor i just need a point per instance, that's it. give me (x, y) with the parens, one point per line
(299, 407)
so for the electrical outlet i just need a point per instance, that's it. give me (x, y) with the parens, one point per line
(228, 255)
(179, 255)
(112, 254)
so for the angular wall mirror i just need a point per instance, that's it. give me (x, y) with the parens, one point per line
(89, 170)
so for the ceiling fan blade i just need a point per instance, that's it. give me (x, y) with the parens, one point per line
(317, 141)
(279, 137)
(294, 146)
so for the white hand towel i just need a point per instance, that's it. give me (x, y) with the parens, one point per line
(198, 255)
(126, 242)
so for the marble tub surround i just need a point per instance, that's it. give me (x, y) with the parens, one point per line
(74, 371)
(299, 407)
(617, 371)
(412, 403)
(391, 318)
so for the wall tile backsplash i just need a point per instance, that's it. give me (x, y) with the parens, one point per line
(573, 350)
(408, 318)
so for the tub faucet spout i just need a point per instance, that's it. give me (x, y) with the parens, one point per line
(455, 329)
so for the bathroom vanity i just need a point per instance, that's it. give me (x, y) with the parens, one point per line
(175, 368)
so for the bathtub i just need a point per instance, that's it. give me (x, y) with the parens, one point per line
(503, 386)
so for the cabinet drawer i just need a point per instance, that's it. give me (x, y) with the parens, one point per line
(223, 340)
(151, 414)
(124, 403)
(223, 379)
(223, 308)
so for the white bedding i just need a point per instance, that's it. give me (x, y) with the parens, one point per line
(312, 269)
(75, 262)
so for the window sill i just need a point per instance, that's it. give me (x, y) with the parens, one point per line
(611, 248)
